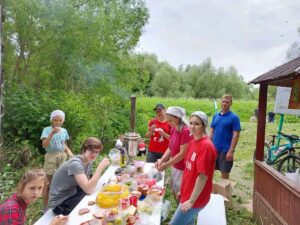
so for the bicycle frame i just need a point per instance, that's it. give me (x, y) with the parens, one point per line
(277, 150)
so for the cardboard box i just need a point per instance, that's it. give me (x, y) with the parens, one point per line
(224, 188)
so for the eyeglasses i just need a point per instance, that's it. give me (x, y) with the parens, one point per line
(158, 109)
(93, 151)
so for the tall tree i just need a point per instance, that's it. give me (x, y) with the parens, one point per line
(70, 44)
(294, 50)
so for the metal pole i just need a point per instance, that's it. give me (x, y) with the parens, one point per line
(132, 114)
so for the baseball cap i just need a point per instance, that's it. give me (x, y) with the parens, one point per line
(160, 106)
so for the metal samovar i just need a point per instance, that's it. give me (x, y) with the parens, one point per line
(131, 139)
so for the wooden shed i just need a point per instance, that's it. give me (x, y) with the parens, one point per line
(275, 199)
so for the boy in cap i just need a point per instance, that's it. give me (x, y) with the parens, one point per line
(54, 139)
(159, 133)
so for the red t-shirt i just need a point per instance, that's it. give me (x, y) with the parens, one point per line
(201, 158)
(158, 143)
(178, 138)
(142, 146)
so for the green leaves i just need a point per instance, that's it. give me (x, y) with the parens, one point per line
(55, 44)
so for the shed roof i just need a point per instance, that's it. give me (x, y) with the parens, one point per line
(282, 75)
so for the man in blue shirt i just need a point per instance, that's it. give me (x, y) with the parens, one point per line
(224, 132)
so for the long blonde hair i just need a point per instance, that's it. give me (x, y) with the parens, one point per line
(28, 176)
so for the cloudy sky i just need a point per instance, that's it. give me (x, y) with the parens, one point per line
(252, 35)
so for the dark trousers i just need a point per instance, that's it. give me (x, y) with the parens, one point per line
(66, 207)
(152, 157)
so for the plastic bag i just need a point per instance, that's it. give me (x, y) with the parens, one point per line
(165, 210)
(294, 177)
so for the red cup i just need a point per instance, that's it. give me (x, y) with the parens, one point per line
(133, 200)
(124, 203)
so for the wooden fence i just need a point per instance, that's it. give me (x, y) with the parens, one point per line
(276, 200)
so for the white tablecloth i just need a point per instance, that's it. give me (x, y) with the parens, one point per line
(75, 219)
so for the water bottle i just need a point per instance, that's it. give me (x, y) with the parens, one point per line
(165, 210)
(280, 149)
(122, 158)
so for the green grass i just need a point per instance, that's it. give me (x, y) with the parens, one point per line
(244, 109)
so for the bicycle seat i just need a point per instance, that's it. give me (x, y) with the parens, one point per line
(291, 137)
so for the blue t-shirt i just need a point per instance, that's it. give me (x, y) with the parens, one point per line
(58, 140)
(223, 126)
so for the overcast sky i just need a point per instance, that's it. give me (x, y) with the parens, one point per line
(252, 35)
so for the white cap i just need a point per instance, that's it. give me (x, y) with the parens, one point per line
(57, 113)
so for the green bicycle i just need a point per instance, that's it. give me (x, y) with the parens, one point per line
(284, 154)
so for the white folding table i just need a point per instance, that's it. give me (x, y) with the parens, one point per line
(76, 219)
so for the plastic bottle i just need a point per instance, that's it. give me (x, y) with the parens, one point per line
(165, 210)
(279, 150)
(122, 158)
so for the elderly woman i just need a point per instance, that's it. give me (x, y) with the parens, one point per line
(72, 180)
(197, 179)
(178, 144)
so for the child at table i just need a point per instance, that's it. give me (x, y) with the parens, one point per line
(54, 139)
(29, 189)
(72, 180)
(141, 147)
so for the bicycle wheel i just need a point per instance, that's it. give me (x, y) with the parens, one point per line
(289, 164)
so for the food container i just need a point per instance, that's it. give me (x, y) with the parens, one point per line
(111, 194)
(114, 156)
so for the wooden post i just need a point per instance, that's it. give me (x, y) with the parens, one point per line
(132, 114)
(261, 124)
(1, 74)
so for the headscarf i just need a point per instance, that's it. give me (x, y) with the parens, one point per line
(57, 113)
(203, 117)
(178, 112)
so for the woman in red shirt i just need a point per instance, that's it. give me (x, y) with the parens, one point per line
(178, 144)
(197, 178)
(159, 133)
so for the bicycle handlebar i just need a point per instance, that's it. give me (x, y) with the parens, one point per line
(290, 137)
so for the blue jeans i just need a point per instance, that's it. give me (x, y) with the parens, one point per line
(184, 218)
